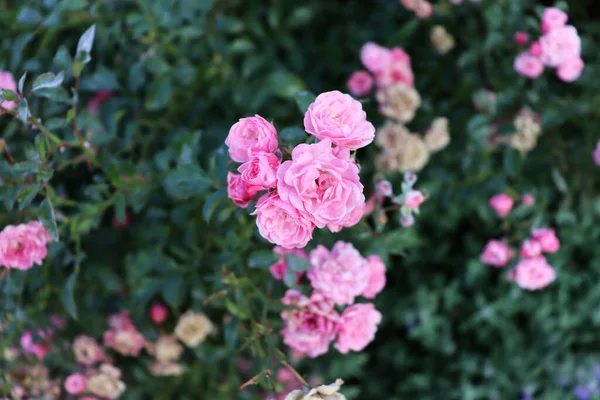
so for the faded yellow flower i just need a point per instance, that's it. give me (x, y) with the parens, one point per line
(192, 328)
(106, 383)
(167, 348)
(414, 155)
(323, 392)
(391, 136)
(528, 131)
(399, 102)
(441, 39)
(158, 368)
(438, 136)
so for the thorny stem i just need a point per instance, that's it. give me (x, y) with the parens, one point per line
(255, 378)
(283, 360)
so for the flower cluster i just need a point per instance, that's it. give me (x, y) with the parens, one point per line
(559, 47)
(532, 271)
(318, 187)
(23, 245)
(337, 277)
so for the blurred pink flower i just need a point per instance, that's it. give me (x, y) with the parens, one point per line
(533, 273)
(496, 253)
(158, 313)
(39, 350)
(547, 239)
(23, 245)
(384, 189)
(95, 102)
(407, 221)
(535, 49)
(123, 336)
(521, 38)
(250, 135)
(357, 327)
(360, 83)
(87, 350)
(340, 118)
(7, 81)
(597, 153)
(75, 384)
(570, 70)
(531, 248)
(340, 274)
(528, 65)
(414, 199)
(553, 18)
(423, 9)
(375, 57)
(502, 204)
(279, 269)
(376, 277)
(310, 324)
(528, 200)
(560, 45)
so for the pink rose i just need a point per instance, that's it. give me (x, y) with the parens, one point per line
(597, 153)
(261, 171)
(528, 200)
(570, 70)
(553, 18)
(531, 248)
(360, 83)
(339, 275)
(398, 70)
(158, 313)
(547, 240)
(496, 253)
(414, 199)
(7, 81)
(279, 269)
(357, 327)
(423, 9)
(377, 279)
(502, 204)
(408, 4)
(560, 45)
(310, 324)
(57, 321)
(340, 118)
(326, 189)
(39, 350)
(250, 135)
(23, 245)
(282, 224)
(87, 351)
(374, 57)
(101, 97)
(75, 384)
(239, 191)
(528, 65)
(123, 335)
(520, 38)
(535, 49)
(533, 273)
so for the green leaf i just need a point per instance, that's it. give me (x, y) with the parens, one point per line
(42, 146)
(8, 194)
(9, 95)
(85, 44)
(22, 82)
(262, 259)
(297, 263)
(284, 84)
(120, 208)
(23, 110)
(28, 195)
(211, 203)
(293, 135)
(72, 5)
(48, 218)
(67, 296)
(173, 291)
(512, 162)
(303, 100)
(290, 279)
(58, 94)
(48, 80)
(159, 94)
(186, 181)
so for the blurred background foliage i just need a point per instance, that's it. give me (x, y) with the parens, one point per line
(183, 71)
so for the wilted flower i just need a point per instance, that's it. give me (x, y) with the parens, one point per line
(167, 348)
(441, 39)
(193, 328)
(106, 383)
(323, 392)
(87, 350)
(414, 155)
(438, 136)
(528, 130)
(399, 102)
(391, 137)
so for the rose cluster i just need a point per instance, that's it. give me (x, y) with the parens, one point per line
(337, 278)
(532, 271)
(318, 187)
(23, 245)
(559, 47)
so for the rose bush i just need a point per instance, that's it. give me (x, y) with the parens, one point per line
(191, 205)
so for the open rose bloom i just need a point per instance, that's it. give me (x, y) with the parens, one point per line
(23, 245)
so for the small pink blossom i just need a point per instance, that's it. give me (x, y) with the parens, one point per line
(407, 221)
(260, 172)
(123, 336)
(57, 321)
(340, 118)
(533, 273)
(496, 253)
(279, 269)
(531, 248)
(521, 38)
(87, 350)
(250, 135)
(39, 350)
(408, 4)
(357, 327)
(310, 324)
(547, 239)
(553, 18)
(158, 313)
(423, 9)
(324, 188)
(414, 199)
(282, 224)
(375, 57)
(23, 245)
(570, 70)
(384, 189)
(75, 384)
(7, 81)
(360, 83)
(340, 274)
(502, 204)
(528, 200)
(376, 277)
(96, 102)
(528, 65)
(560, 45)
(239, 191)
(597, 153)
(535, 49)
(398, 70)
